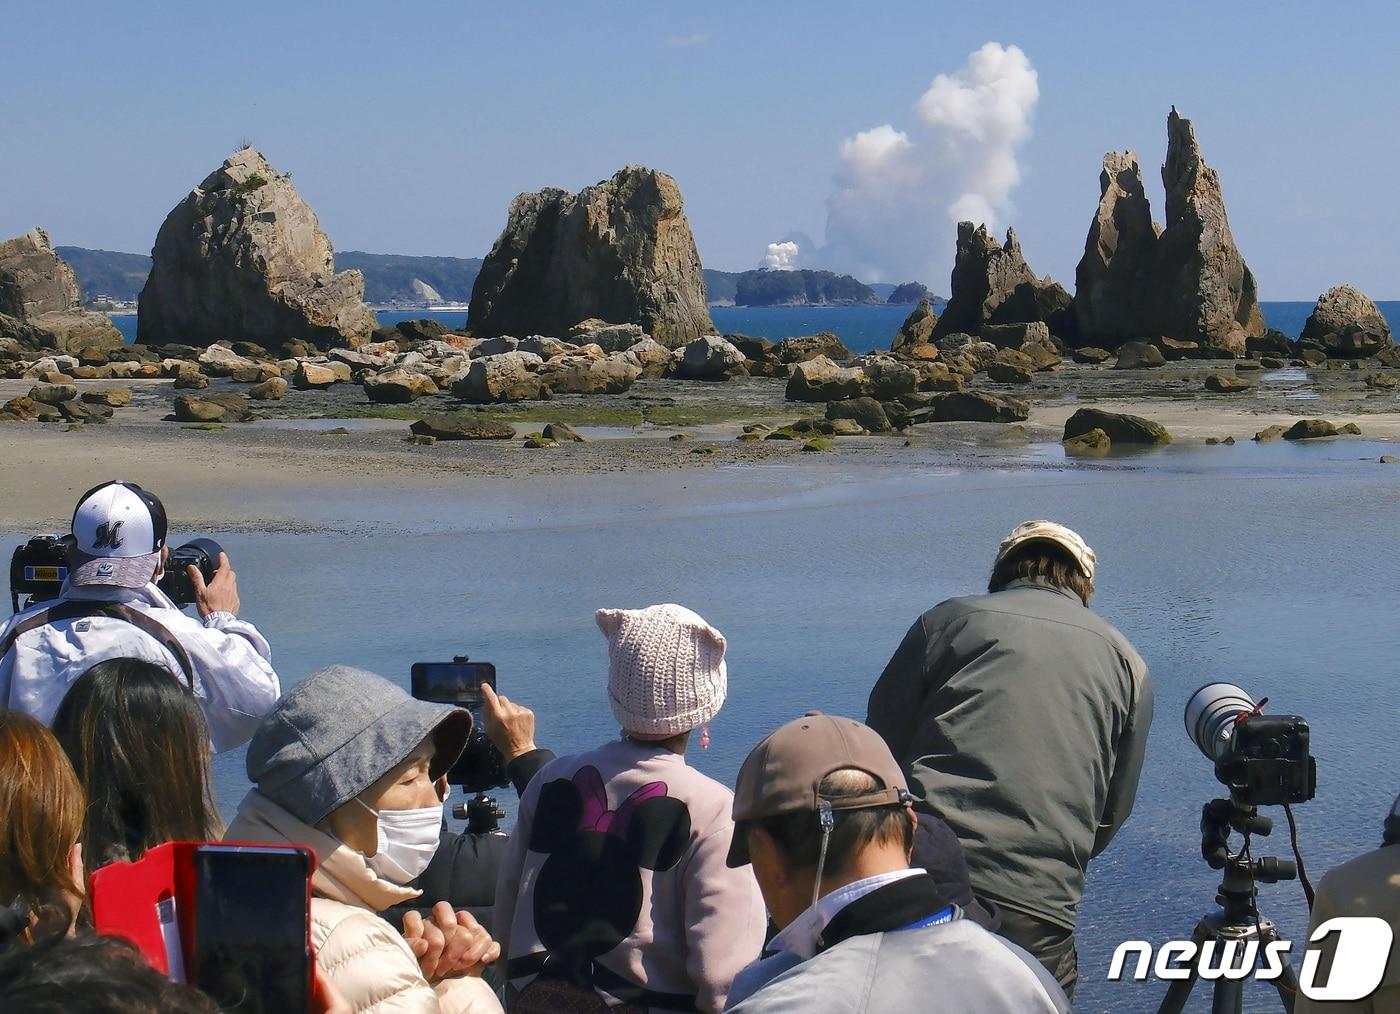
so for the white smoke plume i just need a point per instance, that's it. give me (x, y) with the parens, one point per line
(898, 192)
(780, 257)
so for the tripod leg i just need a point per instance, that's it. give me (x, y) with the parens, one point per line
(1180, 990)
(1287, 983)
(1228, 997)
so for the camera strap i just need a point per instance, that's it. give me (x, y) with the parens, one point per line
(76, 610)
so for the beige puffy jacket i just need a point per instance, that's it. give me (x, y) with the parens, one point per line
(368, 960)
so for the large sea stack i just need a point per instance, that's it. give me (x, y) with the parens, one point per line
(1346, 324)
(39, 299)
(243, 257)
(993, 284)
(1186, 281)
(620, 251)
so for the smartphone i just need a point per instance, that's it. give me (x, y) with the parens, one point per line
(252, 927)
(481, 765)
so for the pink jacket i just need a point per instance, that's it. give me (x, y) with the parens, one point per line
(616, 869)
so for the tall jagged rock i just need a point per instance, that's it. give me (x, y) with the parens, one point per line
(917, 328)
(243, 257)
(1186, 281)
(993, 284)
(1345, 323)
(620, 250)
(1114, 272)
(39, 299)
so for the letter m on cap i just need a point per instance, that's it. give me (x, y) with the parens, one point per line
(108, 535)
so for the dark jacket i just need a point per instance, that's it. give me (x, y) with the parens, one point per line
(1021, 719)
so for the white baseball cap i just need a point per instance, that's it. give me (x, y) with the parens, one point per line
(1049, 531)
(118, 533)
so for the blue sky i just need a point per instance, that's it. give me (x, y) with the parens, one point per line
(409, 126)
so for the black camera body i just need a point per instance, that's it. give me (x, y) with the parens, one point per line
(202, 554)
(481, 766)
(38, 568)
(1268, 762)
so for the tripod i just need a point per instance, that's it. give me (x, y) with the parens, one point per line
(1237, 923)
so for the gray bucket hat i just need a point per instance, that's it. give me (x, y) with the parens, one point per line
(339, 732)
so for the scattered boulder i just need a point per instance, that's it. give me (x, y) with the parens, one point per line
(398, 387)
(220, 361)
(889, 378)
(236, 407)
(847, 427)
(1312, 357)
(1381, 381)
(820, 379)
(917, 328)
(1016, 336)
(867, 413)
(188, 378)
(1223, 383)
(272, 389)
(1010, 367)
(112, 397)
(1090, 355)
(608, 337)
(1269, 433)
(53, 394)
(1090, 443)
(1345, 323)
(243, 257)
(461, 426)
(654, 358)
(422, 330)
(977, 406)
(562, 433)
(1351, 429)
(1139, 356)
(804, 348)
(40, 300)
(1120, 428)
(710, 357)
(577, 375)
(188, 408)
(1310, 429)
(538, 440)
(620, 250)
(318, 376)
(819, 444)
(1174, 349)
(502, 378)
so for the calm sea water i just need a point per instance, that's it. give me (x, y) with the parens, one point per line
(862, 328)
(1271, 566)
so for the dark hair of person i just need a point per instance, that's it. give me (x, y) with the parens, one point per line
(41, 819)
(138, 741)
(799, 835)
(90, 975)
(1043, 562)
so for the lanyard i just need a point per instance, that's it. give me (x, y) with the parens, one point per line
(937, 919)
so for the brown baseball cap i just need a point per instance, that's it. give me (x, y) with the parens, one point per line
(782, 773)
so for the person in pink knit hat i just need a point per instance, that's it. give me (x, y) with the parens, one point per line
(614, 894)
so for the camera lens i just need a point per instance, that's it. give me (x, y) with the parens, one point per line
(1210, 716)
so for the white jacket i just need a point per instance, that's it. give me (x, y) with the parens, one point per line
(233, 676)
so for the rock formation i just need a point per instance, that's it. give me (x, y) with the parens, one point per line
(1345, 323)
(917, 328)
(1188, 281)
(243, 257)
(39, 300)
(993, 284)
(620, 250)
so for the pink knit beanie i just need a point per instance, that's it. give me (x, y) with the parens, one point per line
(666, 670)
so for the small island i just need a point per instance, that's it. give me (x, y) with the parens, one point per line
(801, 288)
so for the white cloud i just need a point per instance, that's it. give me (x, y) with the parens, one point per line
(687, 41)
(897, 191)
(780, 257)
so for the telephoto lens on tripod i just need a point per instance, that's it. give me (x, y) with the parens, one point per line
(1264, 759)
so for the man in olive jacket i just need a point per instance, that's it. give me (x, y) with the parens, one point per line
(1021, 719)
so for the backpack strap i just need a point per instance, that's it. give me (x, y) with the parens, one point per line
(76, 609)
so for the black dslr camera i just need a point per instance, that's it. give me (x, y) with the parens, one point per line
(200, 553)
(481, 766)
(38, 569)
(1263, 759)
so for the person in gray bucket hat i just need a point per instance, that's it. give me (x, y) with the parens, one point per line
(352, 767)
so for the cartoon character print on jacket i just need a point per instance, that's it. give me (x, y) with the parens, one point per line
(589, 891)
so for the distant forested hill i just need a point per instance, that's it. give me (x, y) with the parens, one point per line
(106, 272)
(800, 288)
(720, 286)
(389, 277)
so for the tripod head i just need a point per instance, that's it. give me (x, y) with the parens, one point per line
(1243, 873)
(482, 814)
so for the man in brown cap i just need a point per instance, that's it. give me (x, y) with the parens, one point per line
(1021, 719)
(822, 813)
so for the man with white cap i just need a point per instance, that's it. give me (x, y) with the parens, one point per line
(1021, 719)
(111, 607)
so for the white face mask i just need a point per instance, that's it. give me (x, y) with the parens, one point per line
(408, 839)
